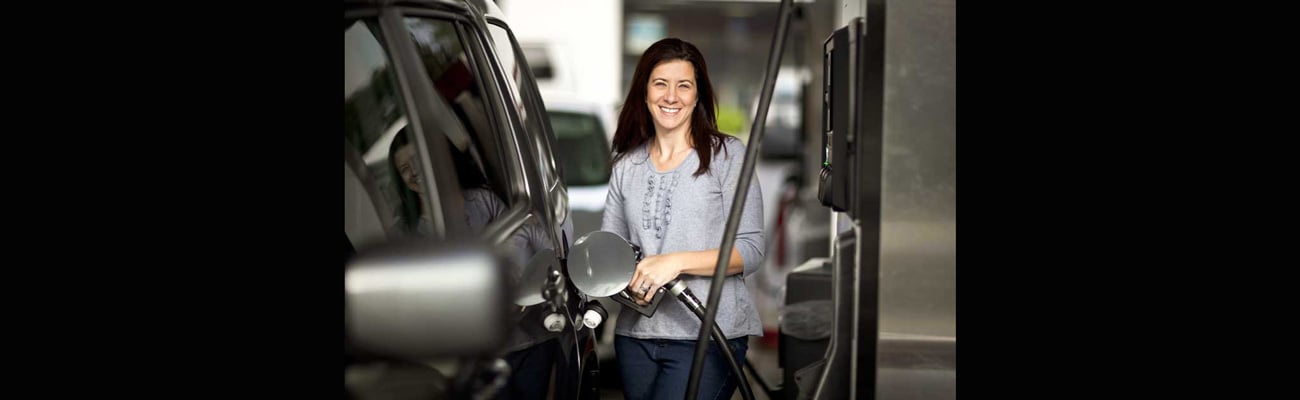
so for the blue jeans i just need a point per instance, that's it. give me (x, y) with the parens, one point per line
(661, 368)
(530, 372)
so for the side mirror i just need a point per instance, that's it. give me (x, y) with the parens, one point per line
(421, 299)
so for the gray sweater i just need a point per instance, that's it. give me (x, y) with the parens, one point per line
(672, 211)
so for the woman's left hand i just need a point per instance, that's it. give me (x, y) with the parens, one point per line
(652, 273)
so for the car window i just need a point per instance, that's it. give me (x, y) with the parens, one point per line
(383, 183)
(480, 160)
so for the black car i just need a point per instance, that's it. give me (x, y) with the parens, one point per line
(456, 219)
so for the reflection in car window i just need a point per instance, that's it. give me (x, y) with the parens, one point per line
(373, 119)
(453, 75)
(582, 150)
(455, 80)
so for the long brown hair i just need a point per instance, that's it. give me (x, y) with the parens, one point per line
(635, 126)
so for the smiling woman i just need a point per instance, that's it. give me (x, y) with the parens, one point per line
(674, 177)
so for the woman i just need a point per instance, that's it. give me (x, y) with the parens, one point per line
(671, 188)
(412, 218)
(481, 205)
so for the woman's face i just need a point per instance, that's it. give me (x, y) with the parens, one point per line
(404, 160)
(671, 95)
